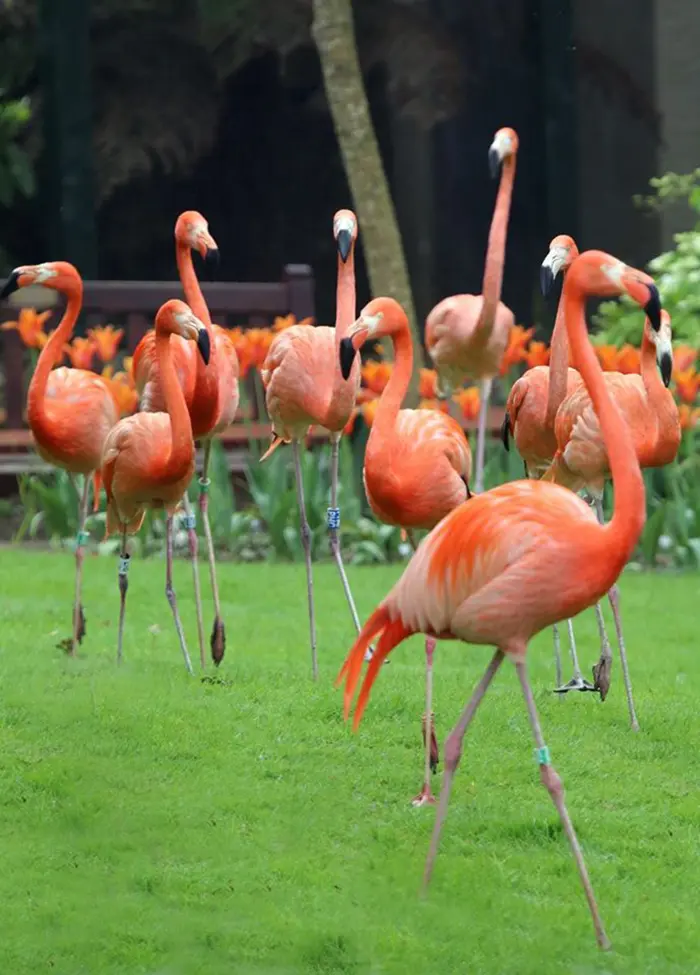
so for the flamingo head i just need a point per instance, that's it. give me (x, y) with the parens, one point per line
(562, 252)
(56, 275)
(504, 146)
(662, 340)
(177, 318)
(601, 274)
(192, 230)
(345, 233)
(380, 317)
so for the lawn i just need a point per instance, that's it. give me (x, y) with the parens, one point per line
(152, 823)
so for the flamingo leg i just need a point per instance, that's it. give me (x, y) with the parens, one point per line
(601, 671)
(486, 385)
(305, 533)
(453, 753)
(189, 522)
(218, 631)
(557, 655)
(81, 539)
(124, 558)
(425, 796)
(577, 682)
(170, 592)
(554, 786)
(333, 523)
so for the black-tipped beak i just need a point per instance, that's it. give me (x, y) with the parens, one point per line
(666, 366)
(652, 309)
(204, 345)
(347, 357)
(344, 243)
(211, 256)
(505, 431)
(11, 285)
(546, 280)
(494, 162)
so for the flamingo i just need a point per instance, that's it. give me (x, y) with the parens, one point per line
(582, 456)
(466, 335)
(148, 458)
(211, 394)
(417, 463)
(70, 411)
(531, 410)
(520, 557)
(303, 387)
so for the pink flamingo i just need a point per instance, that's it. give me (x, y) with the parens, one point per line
(417, 464)
(520, 557)
(466, 335)
(304, 387)
(70, 411)
(211, 394)
(148, 458)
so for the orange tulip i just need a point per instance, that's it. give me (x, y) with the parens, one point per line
(286, 321)
(30, 326)
(434, 404)
(106, 339)
(537, 354)
(687, 385)
(240, 342)
(259, 341)
(469, 402)
(629, 360)
(684, 357)
(81, 352)
(122, 388)
(607, 357)
(515, 350)
(688, 416)
(368, 410)
(375, 375)
(427, 384)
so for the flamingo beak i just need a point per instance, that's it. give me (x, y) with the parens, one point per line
(204, 345)
(652, 309)
(11, 285)
(666, 366)
(347, 357)
(546, 280)
(344, 243)
(494, 161)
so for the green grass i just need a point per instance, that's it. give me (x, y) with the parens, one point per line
(150, 823)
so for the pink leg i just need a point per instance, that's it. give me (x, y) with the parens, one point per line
(614, 597)
(305, 532)
(218, 631)
(453, 753)
(78, 614)
(170, 592)
(426, 797)
(190, 522)
(553, 784)
(124, 558)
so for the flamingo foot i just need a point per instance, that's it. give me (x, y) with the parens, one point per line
(601, 676)
(425, 797)
(576, 684)
(218, 641)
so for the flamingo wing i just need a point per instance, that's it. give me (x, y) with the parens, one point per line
(227, 377)
(146, 371)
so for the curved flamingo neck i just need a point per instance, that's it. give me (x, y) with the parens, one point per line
(181, 426)
(345, 298)
(397, 387)
(558, 366)
(52, 354)
(627, 521)
(496, 249)
(190, 283)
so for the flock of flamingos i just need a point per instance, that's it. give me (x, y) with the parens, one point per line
(497, 567)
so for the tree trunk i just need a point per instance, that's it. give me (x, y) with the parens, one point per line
(334, 34)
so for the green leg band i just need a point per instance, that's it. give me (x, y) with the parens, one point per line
(543, 756)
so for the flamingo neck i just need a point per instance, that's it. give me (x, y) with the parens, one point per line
(496, 249)
(558, 366)
(180, 424)
(345, 298)
(624, 528)
(397, 387)
(190, 283)
(52, 354)
(206, 385)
